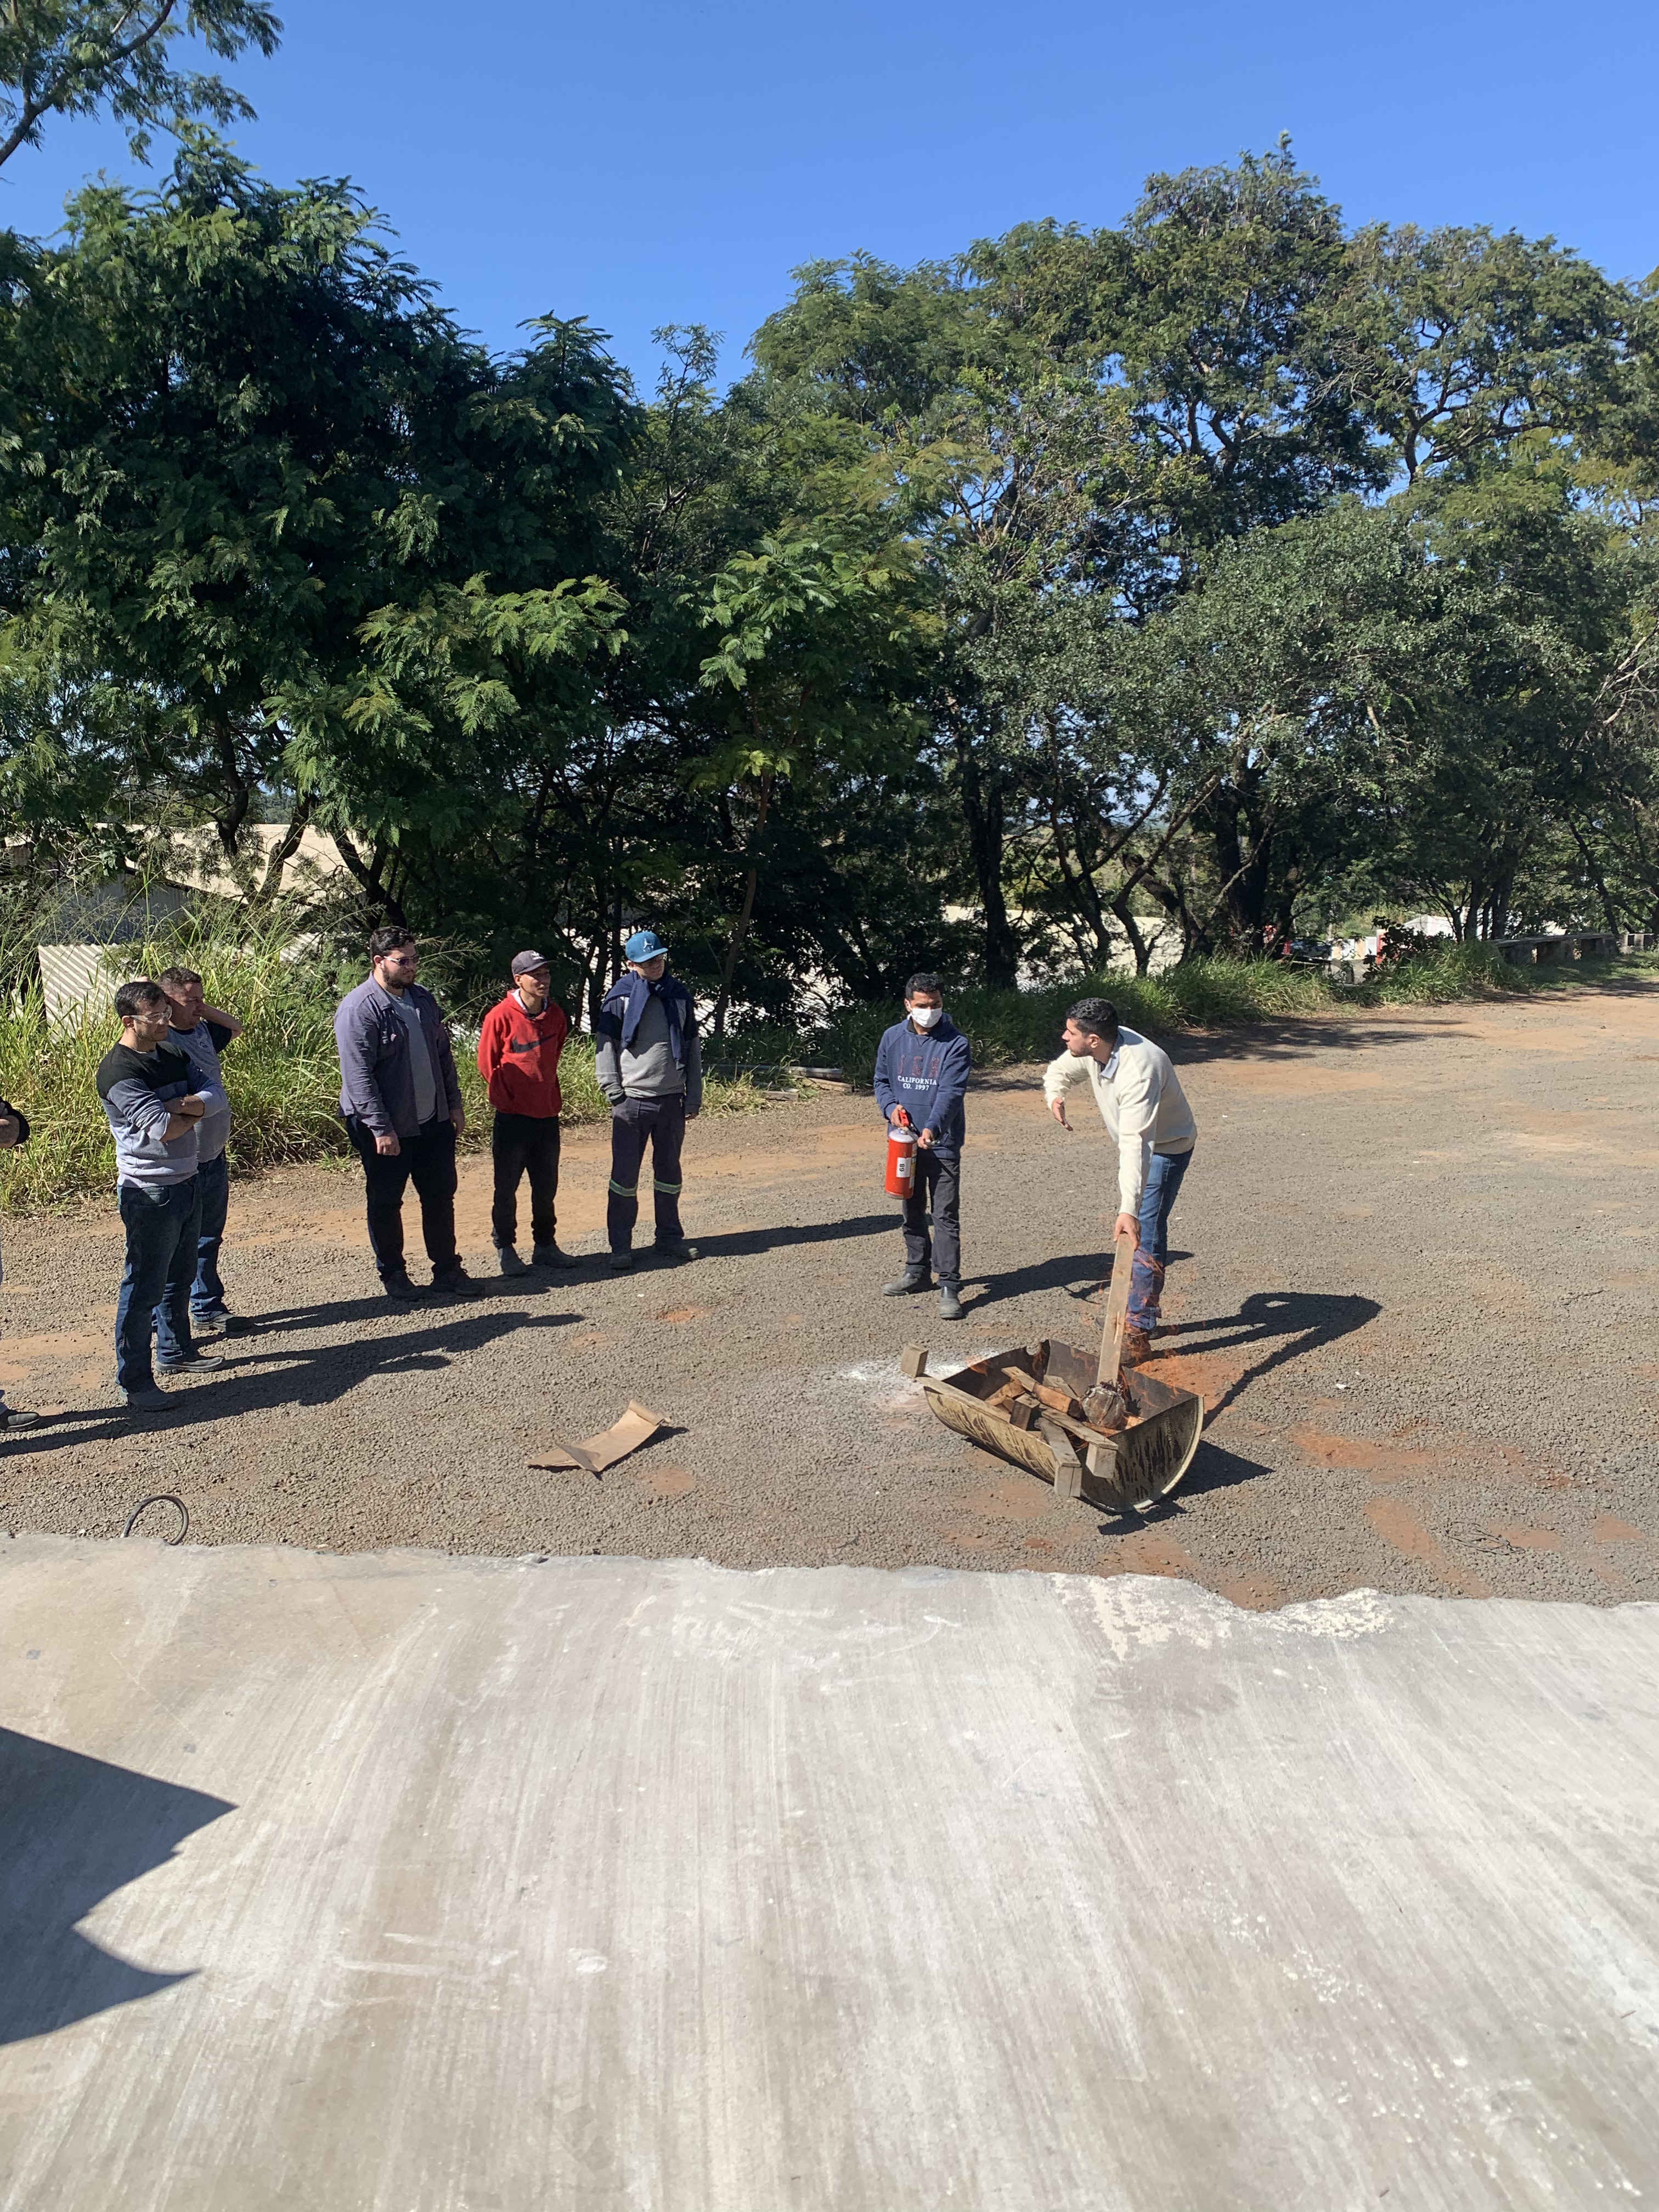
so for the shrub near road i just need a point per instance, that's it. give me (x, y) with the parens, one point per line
(283, 1077)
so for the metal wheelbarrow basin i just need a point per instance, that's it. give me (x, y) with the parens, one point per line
(1126, 1471)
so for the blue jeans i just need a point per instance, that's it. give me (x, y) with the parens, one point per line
(1163, 1180)
(162, 1222)
(207, 1292)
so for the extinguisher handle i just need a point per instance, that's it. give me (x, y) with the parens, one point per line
(903, 1118)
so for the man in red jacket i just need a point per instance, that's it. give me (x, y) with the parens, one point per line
(519, 1049)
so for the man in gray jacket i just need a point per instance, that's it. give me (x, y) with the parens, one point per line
(401, 1103)
(649, 1066)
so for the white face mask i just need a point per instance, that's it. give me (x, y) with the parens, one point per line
(925, 1017)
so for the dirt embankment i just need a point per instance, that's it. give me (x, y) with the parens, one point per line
(1417, 1285)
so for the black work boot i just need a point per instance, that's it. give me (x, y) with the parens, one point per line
(913, 1279)
(399, 1289)
(949, 1305)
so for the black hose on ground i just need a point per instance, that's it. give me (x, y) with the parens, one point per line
(162, 1497)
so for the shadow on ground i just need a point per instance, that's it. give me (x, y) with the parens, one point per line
(260, 1381)
(1213, 1468)
(76, 1829)
(1287, 1039)
(1283, 1325)
(743, 1243)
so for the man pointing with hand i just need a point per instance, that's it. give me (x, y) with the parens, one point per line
(1147, 1116)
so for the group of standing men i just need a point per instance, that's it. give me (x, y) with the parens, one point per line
(400, 1101)
(163, 1093)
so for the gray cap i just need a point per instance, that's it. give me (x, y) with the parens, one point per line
(526, 964)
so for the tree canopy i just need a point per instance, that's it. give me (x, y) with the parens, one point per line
(80, 57)
(1226, 569)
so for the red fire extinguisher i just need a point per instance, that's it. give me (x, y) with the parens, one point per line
(900, 1157)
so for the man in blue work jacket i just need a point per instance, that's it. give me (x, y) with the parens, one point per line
(921, 1072)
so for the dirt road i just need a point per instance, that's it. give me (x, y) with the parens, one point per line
(1419, 1270)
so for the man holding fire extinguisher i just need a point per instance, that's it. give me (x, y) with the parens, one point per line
(923, 1066)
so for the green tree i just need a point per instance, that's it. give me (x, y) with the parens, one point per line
(212, 387)
(1457, 344)
(75, 57)
(314, 541)
(813, 657)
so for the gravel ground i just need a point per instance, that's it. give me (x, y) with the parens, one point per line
(1419, 1259)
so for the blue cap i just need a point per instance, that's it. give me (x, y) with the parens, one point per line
(644, 945)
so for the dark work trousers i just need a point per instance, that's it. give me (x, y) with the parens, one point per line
(162, 1220)
(522, 1144)
(428, 1160)
(637, 1122)
(937, 1183)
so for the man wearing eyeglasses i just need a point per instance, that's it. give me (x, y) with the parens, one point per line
(401, 1103)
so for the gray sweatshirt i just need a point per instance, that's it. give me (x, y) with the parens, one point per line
(643, 1066)
(140, 1092)
(201, 1047)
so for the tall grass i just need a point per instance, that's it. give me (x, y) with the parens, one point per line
(282, 1075)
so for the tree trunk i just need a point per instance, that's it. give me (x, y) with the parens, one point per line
(740, 926)
(982, 816)
(1240, 867)
(1132, 931)
(1082, 892)
(236, 797)
(282, 852)
(1610, 912)
(382, 906)
(1196, 937)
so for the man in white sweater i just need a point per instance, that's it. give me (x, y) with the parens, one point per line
(1147, 1117)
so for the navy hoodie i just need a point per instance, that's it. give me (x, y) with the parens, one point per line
(926, 1074)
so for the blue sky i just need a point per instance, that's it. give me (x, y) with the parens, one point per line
(653, 163)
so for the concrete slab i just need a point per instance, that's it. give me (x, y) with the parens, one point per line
(423, 1885)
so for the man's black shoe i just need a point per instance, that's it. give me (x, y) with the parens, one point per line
(913, 1279)
(949, 1305)
(680, 1251)
(398, 1288)
(622, 1263)
(220, 1322)
(199, 1363)
(452, 1282)
(549, 1255)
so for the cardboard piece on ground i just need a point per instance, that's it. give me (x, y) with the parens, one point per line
(636, 1426)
